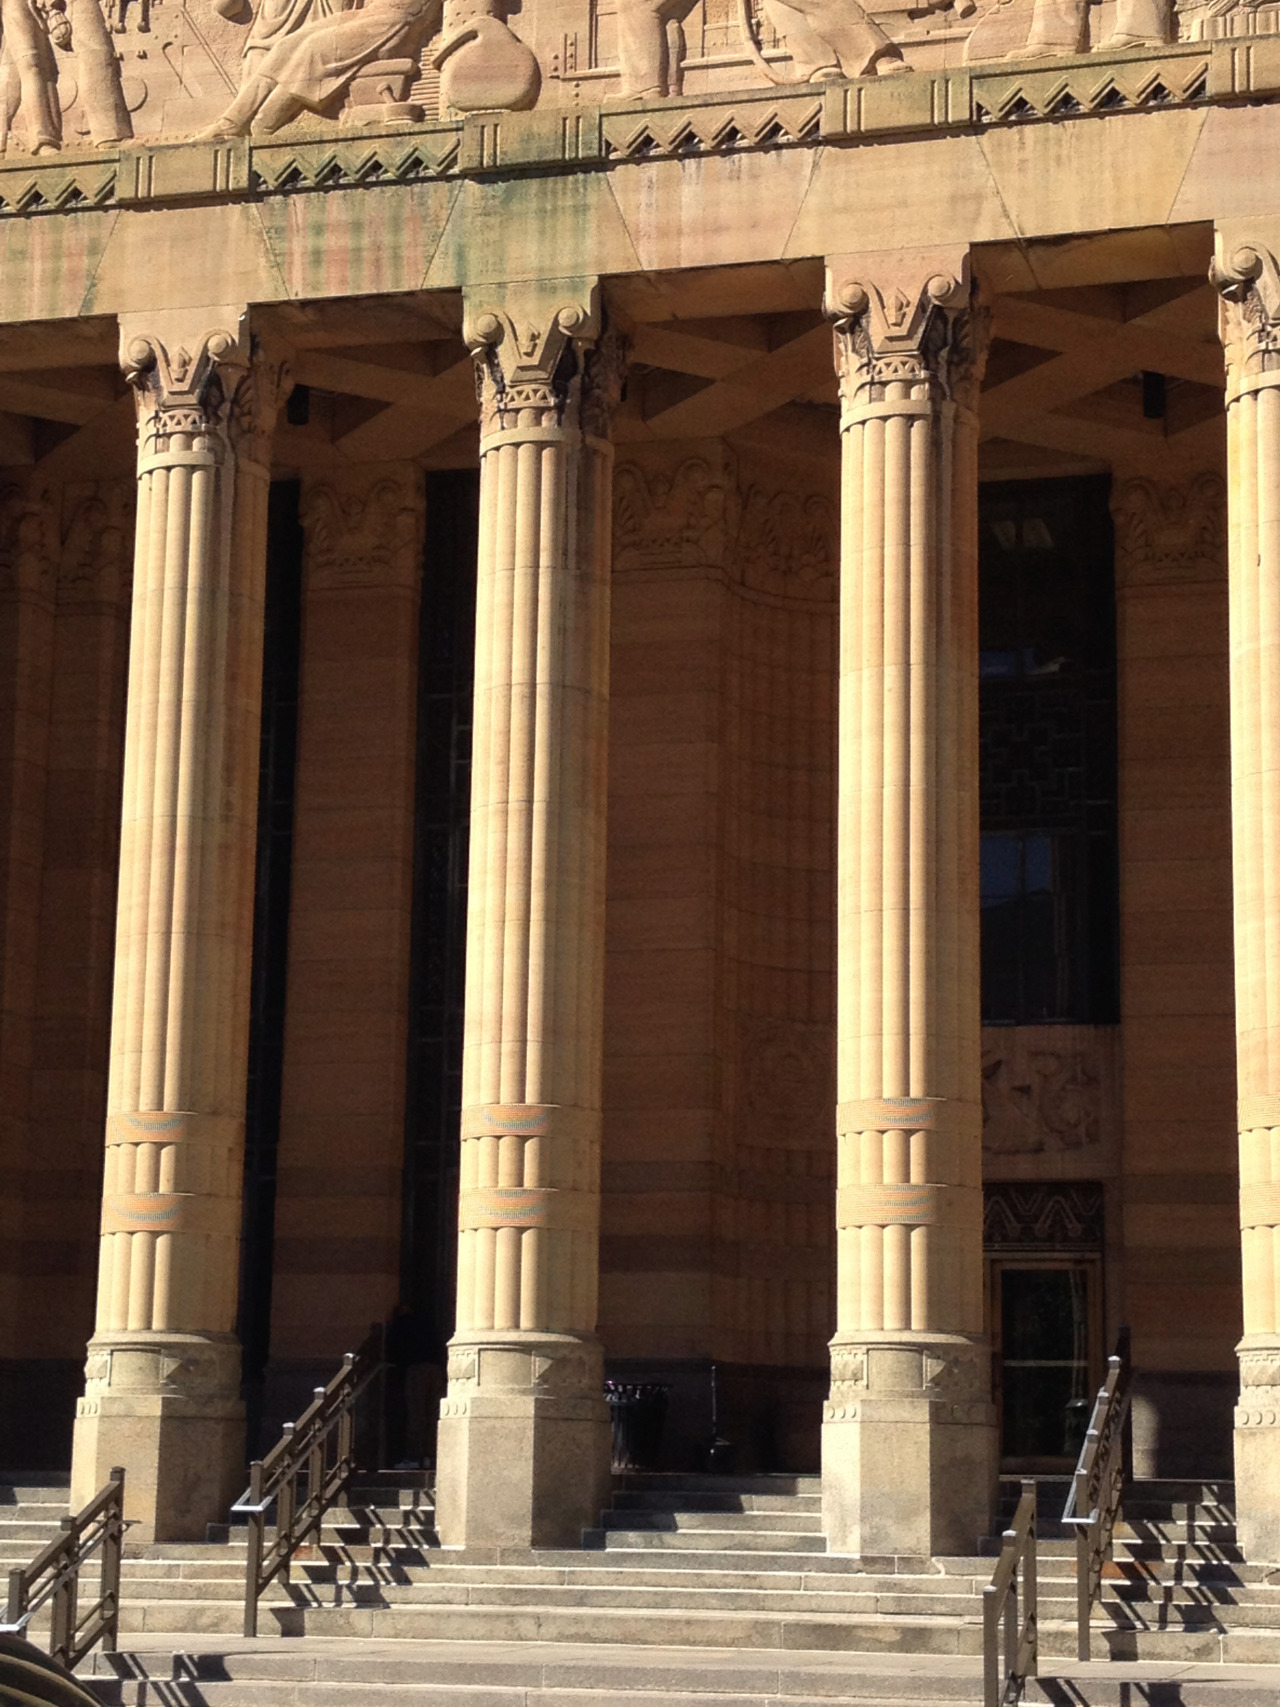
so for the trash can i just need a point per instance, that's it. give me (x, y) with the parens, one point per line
(637, 1410)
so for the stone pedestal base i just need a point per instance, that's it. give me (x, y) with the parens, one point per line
(908, 1446)
(523, 1452)
(1257, 1442)
(167, 1408)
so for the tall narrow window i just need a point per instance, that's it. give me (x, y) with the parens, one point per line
(1049, 884)
(438, 956)
(283, 622)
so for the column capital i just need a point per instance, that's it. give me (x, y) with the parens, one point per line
(201, 377)
(906, 319)
(1245, 273)
(543, 357)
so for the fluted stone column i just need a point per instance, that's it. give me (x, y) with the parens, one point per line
(1248, 278)
(163, 1371)
(908, 1436)
(523, 1446)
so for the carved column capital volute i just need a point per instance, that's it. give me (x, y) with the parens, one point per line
(529, 344)
(184, 370)
(1247, 279)
(907, 326)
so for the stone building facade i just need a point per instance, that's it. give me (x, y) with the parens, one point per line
(641, 655)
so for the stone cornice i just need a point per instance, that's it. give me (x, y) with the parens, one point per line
(1068, 89)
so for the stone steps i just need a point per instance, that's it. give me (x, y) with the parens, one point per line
(443, 1674)
(689, 1563)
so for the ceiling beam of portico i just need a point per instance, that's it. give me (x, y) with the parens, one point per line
(74, 396)
(424, 409)
(762, 384)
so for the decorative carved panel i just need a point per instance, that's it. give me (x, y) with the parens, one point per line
(1170, 533)
(773, 539)
(1048, 1089)
(98, 73)
(1043, 1216)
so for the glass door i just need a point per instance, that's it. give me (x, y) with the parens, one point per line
(1046, 1332)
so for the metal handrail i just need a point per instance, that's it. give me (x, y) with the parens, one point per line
(1005, 1674)
(1097, 1485)
(53, 1576)
(317, 1451)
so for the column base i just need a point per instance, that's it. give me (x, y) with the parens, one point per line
(166, 1407)
(1257, 1443)
(523, 1451)
(908, 1446)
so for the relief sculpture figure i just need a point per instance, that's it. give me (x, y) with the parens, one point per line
(303, 68)
(29, 71)
(34, 32)
(1042, 29)
(826, 38)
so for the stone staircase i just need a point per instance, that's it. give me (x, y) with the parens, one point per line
(681, 1567)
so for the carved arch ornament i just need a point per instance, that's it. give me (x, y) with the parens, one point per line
(82, 73)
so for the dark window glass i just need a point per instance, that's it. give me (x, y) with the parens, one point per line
(277, 763)
(1045, 1361)
(438, 954)
(1048, 754)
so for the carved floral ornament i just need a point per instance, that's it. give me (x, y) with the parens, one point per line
(776, 541)
(101, 72)
(1170, 533)
(364, 539)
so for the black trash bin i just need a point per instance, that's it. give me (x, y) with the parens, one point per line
(637, 1410)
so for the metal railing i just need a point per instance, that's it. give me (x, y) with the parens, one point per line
(53, 1579)
(1010, 1632)
(305, 1473)
(1094, 1500)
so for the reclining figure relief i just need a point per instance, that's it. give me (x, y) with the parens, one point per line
(304, 56)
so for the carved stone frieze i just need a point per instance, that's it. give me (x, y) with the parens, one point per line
(367, 537)
(789, 1076)
(96, 565)
(1047, 1089)
(1170, 533)
(30, 543)
(774, 540)
(908, 326)
(674, 521)
(101, 72)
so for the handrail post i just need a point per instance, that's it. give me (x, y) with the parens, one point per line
(17, 1596)
(62, 1613)
(112, 1553)
(990, 1646)
(1084, 1594)
(1030, 1583)
(253, 1557)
